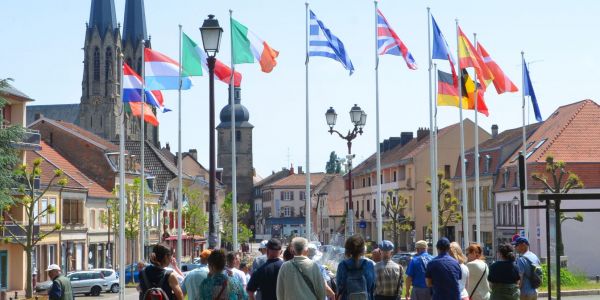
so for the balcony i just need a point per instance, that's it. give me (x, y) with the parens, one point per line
(31, 140)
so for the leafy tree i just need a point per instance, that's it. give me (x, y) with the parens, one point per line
(28, 197)
(226, 214)
(448, 204)
(334, 165)
(559, 185)
(196, 218)
(396, 212)
(9, 156)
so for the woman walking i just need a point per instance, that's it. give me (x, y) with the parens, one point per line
(504, 275)
(456, 253)
(478, 286)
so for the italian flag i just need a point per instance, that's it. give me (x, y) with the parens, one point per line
(193, 61)
(249, 48)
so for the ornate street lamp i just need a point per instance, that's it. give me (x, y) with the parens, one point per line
(211, 39)
(359, 119)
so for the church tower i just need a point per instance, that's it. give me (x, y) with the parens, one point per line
(243, 137)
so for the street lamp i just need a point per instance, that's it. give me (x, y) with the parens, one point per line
(359, 119)
(515, 202)
(211, 38)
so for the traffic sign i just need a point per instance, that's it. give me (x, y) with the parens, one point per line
(362, 224)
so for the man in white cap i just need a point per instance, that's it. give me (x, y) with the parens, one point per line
(262, 258)
(61, 285)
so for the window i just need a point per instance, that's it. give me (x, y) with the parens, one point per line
(108, 64)
(52, 216)
(287, 211)
(368, 205)
(72, 212)
(402, 173)
(394, 177)
(287, 195)
(238, 136)
(486, 204)
(92, 219)
(539, 144)
(471, 199)
(487, 165)
(96, 63)
(302, 195)
(516, 179)
(364, 182)
(447, 172)
(369, 181)
(505, 178)
(43, 206)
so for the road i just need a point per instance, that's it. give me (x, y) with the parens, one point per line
(130, 294)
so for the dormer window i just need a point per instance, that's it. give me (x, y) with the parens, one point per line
(488, 162)
(505, 178)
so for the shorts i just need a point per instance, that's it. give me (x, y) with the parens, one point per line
(418, 293)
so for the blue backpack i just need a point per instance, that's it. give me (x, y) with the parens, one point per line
(356, 284)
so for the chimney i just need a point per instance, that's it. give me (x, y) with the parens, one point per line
(494, 131)
(292, 169)
(405, 137)
(37, 116)
(193, 153)
(300, 170)
(168, 147)
(422, 132)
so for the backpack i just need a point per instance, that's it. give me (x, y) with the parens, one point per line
(155, 292)
(356, 283)
(535, 274)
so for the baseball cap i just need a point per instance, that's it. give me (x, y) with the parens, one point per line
(274, 244)
(53, 267)
(443, 243)
(386, 245)
(205, 254)
(263, 244)
(421, 244)
(520, 240)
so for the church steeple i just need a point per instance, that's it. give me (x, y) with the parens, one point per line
(102, 16)
(134, 29)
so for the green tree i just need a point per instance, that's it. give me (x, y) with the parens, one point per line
(562, 182)
(196, 218)
(448, 204)
(226, 215)
(399, 221)
(9, 156)
(334, 165)
(28, 197)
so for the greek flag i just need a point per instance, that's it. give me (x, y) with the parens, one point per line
(323, 43)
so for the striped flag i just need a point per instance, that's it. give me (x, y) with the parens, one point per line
(469, 57)
(194, 60)
(323, 43)
(132, 90)
(162, 72)
(388, 42)
(250, 48)
(502, 83)
(149, 116)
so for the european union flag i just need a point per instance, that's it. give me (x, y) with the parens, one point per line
(528, 91)
(323, 43)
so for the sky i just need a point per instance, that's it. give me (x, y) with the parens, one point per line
(43, 40)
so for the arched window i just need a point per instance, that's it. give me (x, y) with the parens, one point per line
(96, 63)
(108, 64)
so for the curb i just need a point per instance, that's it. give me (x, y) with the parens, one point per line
(573, 293)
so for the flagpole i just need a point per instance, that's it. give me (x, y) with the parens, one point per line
(435, 148)
(142, 175)
(121, 186)
(463, 174)
(233, 141)
(476, 159)
(432, 166)
(525, 214)
(378, 198)
(179, 166)
(307, 196)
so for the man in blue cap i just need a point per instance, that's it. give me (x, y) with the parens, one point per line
(525, 263)
(388, 274)
(443, 273)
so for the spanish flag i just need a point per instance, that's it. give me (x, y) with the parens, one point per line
(469, 57)
(447, 94)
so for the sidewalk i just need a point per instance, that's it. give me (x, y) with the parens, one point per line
(573, 293)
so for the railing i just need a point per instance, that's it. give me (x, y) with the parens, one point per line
(30, 141)
(9, 229)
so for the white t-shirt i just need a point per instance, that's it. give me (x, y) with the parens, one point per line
(463, 281)
(476, 272)
(239, 274)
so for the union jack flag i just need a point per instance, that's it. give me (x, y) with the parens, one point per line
(388, 42)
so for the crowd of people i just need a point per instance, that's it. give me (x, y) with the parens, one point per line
(294, 273)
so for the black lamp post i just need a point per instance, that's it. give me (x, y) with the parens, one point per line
(211, 39)
(359, 119)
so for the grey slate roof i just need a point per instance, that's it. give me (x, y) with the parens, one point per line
(134, 27)
(11, 90)
(59, 112)
(102, 16)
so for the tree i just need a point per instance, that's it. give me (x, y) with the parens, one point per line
(556, 170)
(226, 214)
(334, 165)
(196, 218)
(396, 212)
(448, 204)
(9, 156)
(28, 197)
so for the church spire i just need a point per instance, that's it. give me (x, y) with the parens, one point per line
(134, 29)
(102, 16)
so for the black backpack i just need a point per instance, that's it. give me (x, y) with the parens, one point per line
(154, 291)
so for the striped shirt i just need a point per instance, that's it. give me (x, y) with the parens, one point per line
(387, 274)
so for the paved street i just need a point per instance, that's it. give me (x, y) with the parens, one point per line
(130, 294)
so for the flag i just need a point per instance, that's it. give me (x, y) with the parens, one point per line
(468, 57)
(149, 117)
(132, 85)
(249, 48)
(194, 60)
(162, 72)
(528, 91)
(441, 50)
(155, 98)
(323, 43)
(388, 42)
(448, 94)
(501, 81)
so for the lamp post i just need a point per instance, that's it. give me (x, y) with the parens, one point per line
(359, 119)
(515, 202)
(211, 39)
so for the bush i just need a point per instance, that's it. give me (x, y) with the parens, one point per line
(567, 278)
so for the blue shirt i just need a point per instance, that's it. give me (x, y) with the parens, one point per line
(445, 274)
(212, 285)
(417, 267)
(192, 281)
(264, 279)
(525, 272)
(368, 272)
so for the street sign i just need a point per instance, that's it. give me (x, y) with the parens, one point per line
(413, 233)
(362, 224)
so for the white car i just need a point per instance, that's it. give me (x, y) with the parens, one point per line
(111, 277)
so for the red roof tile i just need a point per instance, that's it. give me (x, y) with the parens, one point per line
(298, 180)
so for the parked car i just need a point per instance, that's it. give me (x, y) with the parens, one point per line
(112, 277)
(43, 287)
(82, 282)
(403, 258)
(129, 274)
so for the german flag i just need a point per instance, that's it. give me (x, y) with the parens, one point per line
(448, 95)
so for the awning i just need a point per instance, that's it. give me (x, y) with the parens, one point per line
(185, 237)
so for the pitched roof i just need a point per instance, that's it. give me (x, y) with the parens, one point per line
(81, 133)
(298, 180)
(275, 176)
(64, 112)
(48, 166)
(506, 137)
(13, 92)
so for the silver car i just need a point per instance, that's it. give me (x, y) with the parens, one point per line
(111, 277)
(88, 283)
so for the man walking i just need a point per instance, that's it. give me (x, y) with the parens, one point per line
(263, 278)
(415, 274)
(61, 285)
(526, 260)
(300, 278)
(443, 273)
(192, 281)
(388, 274)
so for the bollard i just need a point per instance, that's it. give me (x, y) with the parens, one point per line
(36, 297)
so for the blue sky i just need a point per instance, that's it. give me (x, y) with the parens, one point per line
(42, 43)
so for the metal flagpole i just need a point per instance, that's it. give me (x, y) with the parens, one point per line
(233, 140)
(432, 166)
(525, 214)
(179, 166)
(121, 186)
(307, 196)
(463, 174)
(378, 198)
(436, 179)
(142, 175)
(476, 159)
